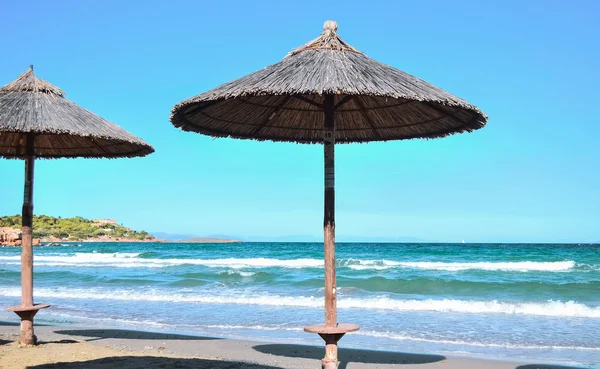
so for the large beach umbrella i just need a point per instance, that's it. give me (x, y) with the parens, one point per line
(37, 121)
(326, 92)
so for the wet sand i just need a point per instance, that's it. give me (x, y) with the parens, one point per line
(71, 347)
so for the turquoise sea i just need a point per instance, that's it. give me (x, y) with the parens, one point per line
(526, 302)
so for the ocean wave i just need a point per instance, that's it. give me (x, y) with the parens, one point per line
(62, 318)
(187, 283)
(143, 260)
(520, 266)
(53, 318)
(147, 254)
(402, 337)
(548, 308)
(254, 326)
(230, 274)
(557, 288)
(241, 274)
(138, 260)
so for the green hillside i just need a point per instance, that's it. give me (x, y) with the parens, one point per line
(73, 229)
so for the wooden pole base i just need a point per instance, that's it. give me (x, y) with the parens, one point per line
(331, 336)
(330, 361)
(329, 364)
(27, 336)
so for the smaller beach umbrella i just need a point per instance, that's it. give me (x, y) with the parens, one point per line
(326, 92)
(37, 121)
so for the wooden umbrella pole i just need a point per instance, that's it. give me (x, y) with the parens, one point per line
(331, 332)
(330, 361)
(27, 227)
(27, 310)
(329, 216)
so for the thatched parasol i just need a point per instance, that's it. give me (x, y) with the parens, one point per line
(326, 92)
(37, 121)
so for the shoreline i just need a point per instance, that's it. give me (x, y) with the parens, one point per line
(57, 242)
(75, 347)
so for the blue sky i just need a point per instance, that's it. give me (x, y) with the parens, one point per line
(531, 175)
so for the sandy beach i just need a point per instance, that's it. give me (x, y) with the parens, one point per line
(71, 347)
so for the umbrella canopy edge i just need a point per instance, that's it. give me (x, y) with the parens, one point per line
(282, 102)
(30, 105)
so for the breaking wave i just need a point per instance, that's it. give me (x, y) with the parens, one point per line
(548, 308)
(141, 260)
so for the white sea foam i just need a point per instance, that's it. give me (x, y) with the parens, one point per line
(548, 308)
(368, 333)
(520, 266)
(132, 260)
(52, 317)
(402, 337)
(255, 327)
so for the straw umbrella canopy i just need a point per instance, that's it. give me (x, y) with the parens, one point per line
(37, 121)
(326, 92)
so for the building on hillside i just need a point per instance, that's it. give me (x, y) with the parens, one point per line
(99, 222)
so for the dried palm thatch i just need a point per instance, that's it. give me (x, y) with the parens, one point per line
(283, 102)
(29, 105)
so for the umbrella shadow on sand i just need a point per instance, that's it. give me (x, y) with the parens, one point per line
(150, 362)
(349, 355)
(99, 334)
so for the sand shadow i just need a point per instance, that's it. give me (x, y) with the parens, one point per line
(151, 362)
(99, 334)
(41, 342)
(546, 366)
(347, 355)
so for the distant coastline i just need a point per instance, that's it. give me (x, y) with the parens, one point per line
(206, 240)
(48, 229)
(52, 231)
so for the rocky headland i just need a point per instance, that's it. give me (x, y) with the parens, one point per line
(51, 230)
